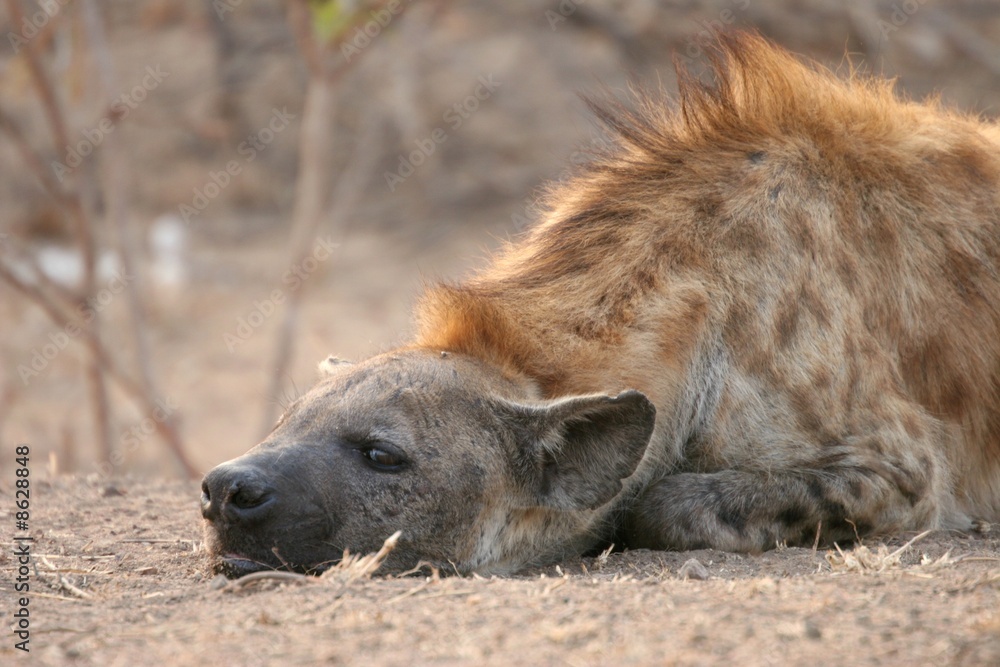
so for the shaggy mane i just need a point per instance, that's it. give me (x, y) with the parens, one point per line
(757, 90)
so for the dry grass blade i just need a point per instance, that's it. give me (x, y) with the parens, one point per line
(929, 564)
(352, 568)
(985, 580)
(413, 591)
(866, 560)
(898, 552)
(602, 559)
(349, 569)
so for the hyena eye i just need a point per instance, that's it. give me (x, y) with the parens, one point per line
(380, 458)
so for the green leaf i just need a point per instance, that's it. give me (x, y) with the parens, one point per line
(329, 19)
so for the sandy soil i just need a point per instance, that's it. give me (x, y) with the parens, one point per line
(121, 579)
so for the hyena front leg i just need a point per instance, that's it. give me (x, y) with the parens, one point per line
(753, 511)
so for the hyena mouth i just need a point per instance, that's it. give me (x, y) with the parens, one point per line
(234, 566)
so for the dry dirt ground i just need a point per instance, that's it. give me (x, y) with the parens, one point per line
(120, 578)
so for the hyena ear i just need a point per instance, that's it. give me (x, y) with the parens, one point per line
(332, 364)
(572, 453)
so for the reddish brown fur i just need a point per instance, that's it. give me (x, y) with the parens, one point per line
(801, 272)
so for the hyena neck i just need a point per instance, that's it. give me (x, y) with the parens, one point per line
(469, 321)
(542, 335)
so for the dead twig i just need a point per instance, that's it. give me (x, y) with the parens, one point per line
(42, 82)
(352, 567)
(31, 158)
(99, 353)
(418, 569)
(60, 580)
(70, 588)
(554, 585)
(269, 575)
(82, 225)
(913, 541)
(116, 187)
(413, 591)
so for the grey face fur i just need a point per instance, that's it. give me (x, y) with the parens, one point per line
(473, 471)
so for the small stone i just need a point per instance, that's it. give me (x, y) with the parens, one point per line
(109, 490)
(147, 570)
(218, 582)
(692, 569)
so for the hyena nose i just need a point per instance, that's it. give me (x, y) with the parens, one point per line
(236, 493)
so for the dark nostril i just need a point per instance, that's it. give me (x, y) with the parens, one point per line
(236, 493)
(248, 497)
(207, 509)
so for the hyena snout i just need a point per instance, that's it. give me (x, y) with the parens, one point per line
(258, 517)
(237, 494)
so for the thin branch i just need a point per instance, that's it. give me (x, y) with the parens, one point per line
(300, 22)
(31, 157)
(315, 53)
(116, 187)
(40, 77)
(99, 355)
(310, 200)
(312, 194)
(81, 222)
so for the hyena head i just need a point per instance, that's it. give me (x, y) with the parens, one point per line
(476, 473)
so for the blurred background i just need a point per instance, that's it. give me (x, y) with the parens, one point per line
(203, 198)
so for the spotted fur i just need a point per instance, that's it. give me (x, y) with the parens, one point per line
(802, 272)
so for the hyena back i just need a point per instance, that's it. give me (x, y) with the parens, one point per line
(802, 274)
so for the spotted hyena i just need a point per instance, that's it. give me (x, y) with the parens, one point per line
(770, 314)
